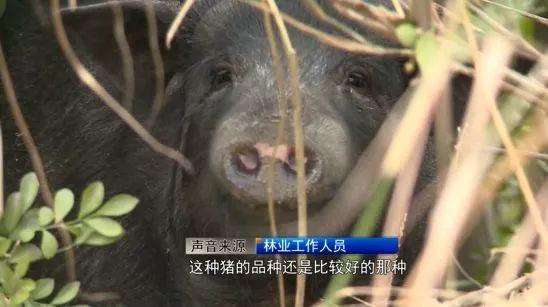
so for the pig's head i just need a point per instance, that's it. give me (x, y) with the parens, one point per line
(232, 109)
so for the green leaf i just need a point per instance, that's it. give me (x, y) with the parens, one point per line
(67, 293)
(44, 287)
(118, 205)
(5, 245)
(28, 189)
(49, 245)
(406, 34)
(6, 273)
(64, 200)
(8, 280)
(92, 198)
(527, 28)
(45, 216)
(84, 235)
(96, 239)
(13, 211)
(105, 226)
(27, 284)
(27, 226)
(26, 252)
(426, 51)
(25, 234)
(21, 269)
(19, 297)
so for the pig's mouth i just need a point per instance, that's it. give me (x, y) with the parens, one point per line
(254, 214)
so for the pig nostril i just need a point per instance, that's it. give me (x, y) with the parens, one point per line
(247, 160)
(291, 162)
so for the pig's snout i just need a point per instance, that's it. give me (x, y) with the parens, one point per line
(250, 160)
(246, 170)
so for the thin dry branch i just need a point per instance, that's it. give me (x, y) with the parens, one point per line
(477, 297)
(370, 17)
(313, 7)
(336, 41)
(299, 140)
(35, 158)
(73, 4)
(125, 54)
(157, 62)
(501, 29)
(530, 15)
(399, 9)
(88, 79)
(176, 24)
(282, 105)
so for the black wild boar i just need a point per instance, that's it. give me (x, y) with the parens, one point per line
(220, 110)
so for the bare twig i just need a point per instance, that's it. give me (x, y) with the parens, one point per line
(23, 127)
(282, 105)
(378, 19)
(501, 29)
(398, 7)
(35, 158)
(157, 61)
(476, 297)
(299, 140)
(177, 22)
(528, 153)
(125, 54)
(533, 16)
(420, 12)
(73, 4)
(318, 11)
(336, 41)
(87, 78)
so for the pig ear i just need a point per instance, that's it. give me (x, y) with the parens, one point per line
(91, 30)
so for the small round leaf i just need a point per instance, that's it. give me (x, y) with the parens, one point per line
(49, 245)
(45, 216)
(64, 200)
(92, 198)
(426, 51)
(27, 284)
(118, 205)
(66, 294)
(105, 226)
(13, 211)
(406, 34)
(96, 239)
(44, 287)
(19, 297)
(26, 252)
(28, 189)
(21, 269)
(5, 245)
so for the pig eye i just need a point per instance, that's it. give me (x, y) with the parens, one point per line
(220, 78)
(357, 80)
